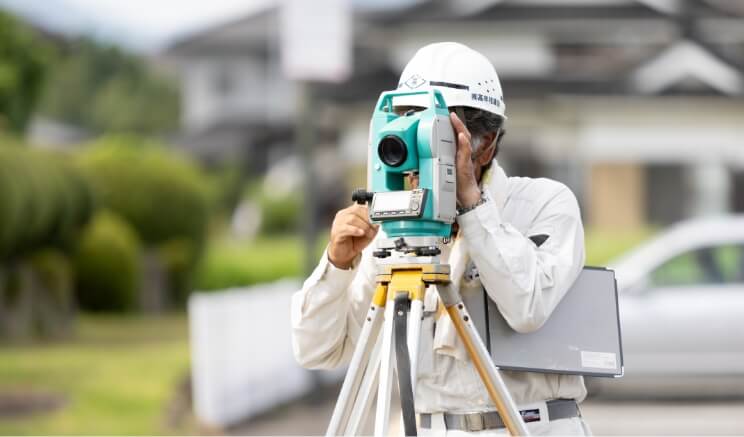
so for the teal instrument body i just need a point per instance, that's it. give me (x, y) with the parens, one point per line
(421, 142)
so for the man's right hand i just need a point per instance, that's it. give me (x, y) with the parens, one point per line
(351, 232)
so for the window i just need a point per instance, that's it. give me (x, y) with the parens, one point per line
(707, 265)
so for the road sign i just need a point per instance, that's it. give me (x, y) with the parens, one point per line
(316, 40)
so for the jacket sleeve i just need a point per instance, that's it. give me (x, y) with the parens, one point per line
(328, 312)
(526, 281)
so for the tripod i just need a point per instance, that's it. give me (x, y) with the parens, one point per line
(396, 310)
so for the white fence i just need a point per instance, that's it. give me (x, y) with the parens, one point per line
(241, 353)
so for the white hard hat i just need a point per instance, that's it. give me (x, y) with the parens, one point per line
(464, 77)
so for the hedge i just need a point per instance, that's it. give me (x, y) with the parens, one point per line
(44, 201)
(162, 194)
(107, 265)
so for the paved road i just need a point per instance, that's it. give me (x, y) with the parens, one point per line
(718, 417)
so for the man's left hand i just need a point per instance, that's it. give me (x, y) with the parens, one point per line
(468, 192)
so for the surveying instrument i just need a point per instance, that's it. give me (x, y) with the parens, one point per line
(417, 223)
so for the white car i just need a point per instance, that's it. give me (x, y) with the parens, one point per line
(681, 304)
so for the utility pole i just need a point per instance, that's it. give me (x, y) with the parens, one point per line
(305, 143)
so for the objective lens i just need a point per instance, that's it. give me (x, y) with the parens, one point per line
(392, 151)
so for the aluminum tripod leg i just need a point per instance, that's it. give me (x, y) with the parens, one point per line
(355, 398)
(373, 365)
(387, 366)
(481, 359)
(407, 281)
(365, 397)
(387, 361)
(363, 400)
(360, 361)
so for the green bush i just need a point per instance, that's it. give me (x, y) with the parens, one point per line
(107, 265)
(280, 214)
(162, 194)
(280, 211)
(229, 263)
(43, 200)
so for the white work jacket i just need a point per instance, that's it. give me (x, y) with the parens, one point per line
(493, 250)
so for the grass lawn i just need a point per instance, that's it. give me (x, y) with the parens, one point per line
(117, 376)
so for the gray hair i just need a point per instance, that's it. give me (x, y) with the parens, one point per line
(480, 123)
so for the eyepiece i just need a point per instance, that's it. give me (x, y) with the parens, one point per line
(392, 151)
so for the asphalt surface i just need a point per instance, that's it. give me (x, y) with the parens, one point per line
(309, 416)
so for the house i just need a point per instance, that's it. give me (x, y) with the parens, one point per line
(637, 105)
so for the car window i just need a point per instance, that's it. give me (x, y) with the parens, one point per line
(708, 265)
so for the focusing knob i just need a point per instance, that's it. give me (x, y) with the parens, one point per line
(362, 196)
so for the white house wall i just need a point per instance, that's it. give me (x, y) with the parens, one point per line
(354, 136)
(682, 130)
(627, 129)
(255, 93)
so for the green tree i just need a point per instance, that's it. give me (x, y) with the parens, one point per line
(105, 89)
(22, 66)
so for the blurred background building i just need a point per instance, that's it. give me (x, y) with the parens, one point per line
(636, 105)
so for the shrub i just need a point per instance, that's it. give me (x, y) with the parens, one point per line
(163, 195)
(43, 201)
(280, 214)
(44, 204)
(229, 263)
(280, 210)
(107, 265)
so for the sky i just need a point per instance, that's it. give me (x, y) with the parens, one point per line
(145, 26)
(140, 25)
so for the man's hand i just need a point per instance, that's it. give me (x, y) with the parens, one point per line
(351, 232)
(468, 192)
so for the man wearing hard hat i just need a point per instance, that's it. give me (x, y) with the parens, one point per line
(519, 238)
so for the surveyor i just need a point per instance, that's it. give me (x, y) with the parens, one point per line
(520, 239)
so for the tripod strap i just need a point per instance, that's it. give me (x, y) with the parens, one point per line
(403, 359)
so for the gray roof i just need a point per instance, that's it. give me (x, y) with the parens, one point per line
(606, 47)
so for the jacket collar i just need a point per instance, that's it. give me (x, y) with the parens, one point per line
(494, 181)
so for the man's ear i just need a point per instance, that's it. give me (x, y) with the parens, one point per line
(487, 155)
